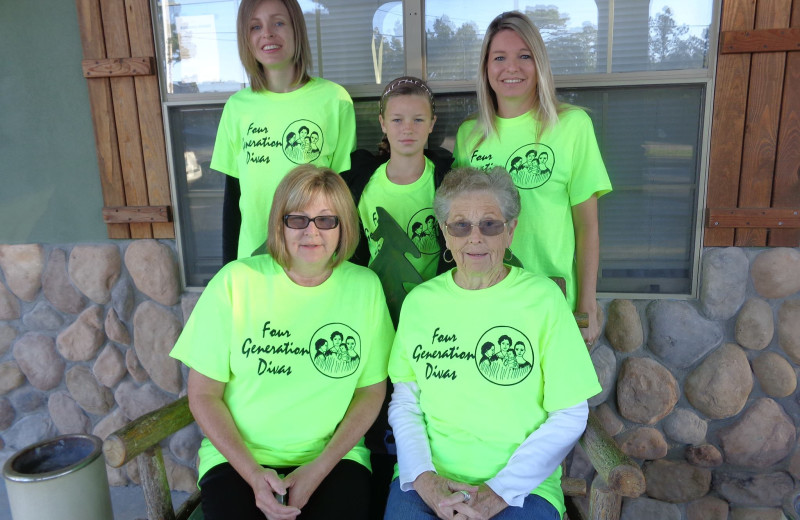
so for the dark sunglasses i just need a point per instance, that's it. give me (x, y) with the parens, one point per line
(302, 221)
(488, 227)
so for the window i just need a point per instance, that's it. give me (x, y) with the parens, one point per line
(641, 69)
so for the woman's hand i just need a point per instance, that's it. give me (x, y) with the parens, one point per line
(303, 481)
(592, 332)
(587, 254)
(214, 417)
(483, 504)
(265, 483)
(441, 494)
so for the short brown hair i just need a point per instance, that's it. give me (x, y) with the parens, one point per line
(296, 191)
(302, 49)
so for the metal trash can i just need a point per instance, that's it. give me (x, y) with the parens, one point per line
(62, 478)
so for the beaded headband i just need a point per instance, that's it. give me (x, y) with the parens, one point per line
(406, 81)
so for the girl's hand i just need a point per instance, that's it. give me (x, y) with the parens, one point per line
(592, 332)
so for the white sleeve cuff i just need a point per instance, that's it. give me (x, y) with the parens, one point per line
(540, 454)
(408, 425)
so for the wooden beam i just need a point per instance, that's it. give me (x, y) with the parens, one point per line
(128, 214)
(151, 124)
(105, 132)
(766, 218)
(786, 186)
(126, 114)
(762, 40)
(762, 122)
(118, 67)
(727, 127)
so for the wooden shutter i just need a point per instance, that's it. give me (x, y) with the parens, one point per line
(120, 68)
(754, 170)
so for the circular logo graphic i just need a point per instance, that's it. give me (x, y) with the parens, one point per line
(531, 165)
(335, 350)
(424, 231)
(504, 356)
(302, 141)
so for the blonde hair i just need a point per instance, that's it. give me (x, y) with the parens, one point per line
(302, 49)
(296, 191)
(546, 104)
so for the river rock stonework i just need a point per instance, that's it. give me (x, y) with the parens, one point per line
(719, 387)
(679, 336)
(646, 391)
(702, 392)
(724, 282)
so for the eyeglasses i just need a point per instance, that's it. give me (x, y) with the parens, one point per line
(488, 227)
(302, 221)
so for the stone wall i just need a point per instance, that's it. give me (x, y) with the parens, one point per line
(85, 333)
(702, 392)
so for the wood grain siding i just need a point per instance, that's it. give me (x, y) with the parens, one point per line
(763, 40)
(786, 191)
(151, 124)
(761, 124)
(119, 64)
(93, 44)
(727, 126)
(755, 139)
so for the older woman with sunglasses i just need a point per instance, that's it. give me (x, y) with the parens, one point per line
(482, 427)
(283, 399)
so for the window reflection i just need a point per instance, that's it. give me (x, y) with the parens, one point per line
(352, 42)
(657, 35)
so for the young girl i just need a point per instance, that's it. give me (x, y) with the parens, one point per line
(263, 128)
(395, 196)
(400, 239)
(551, 152)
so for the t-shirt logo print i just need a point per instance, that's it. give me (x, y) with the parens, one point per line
(302, 141)
(423, 231)
(504, 355)
(336, 350)
(531, 165)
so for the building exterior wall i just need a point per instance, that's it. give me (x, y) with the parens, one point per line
(49, 187)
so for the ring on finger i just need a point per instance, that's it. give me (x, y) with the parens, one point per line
(467, 496)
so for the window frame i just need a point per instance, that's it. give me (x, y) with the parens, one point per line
(414, 43)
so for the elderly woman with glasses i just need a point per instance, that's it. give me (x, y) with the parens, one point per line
(482, 426)
(283, 399)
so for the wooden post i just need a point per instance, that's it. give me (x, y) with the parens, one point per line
(622, 475)
(154, 484)
(603, 502)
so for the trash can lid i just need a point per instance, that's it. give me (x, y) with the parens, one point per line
(53, 458)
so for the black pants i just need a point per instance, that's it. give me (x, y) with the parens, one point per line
(344, 494)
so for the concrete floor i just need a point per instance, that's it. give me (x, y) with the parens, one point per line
(127, 502)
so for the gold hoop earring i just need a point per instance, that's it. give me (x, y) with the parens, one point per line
(510, 255)
(444, 256)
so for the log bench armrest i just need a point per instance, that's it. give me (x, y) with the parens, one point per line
(622, 475)
(128, 442)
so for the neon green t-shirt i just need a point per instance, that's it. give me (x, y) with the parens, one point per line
(490, 365)
(401, 231)
(263, 135)
(291, 356)
(560, 171)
